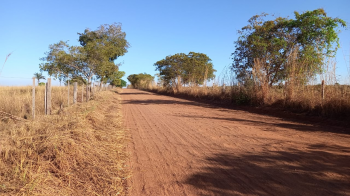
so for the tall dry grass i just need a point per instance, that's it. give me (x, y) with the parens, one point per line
(291, 96)
(79, 152)
(299, 92)
(306, 99)
(18, 100)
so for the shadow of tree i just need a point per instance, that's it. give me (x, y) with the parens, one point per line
(318, 170)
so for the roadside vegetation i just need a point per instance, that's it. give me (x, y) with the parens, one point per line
(17, 101)
(81, 151)
(77, 150)
(287, 63)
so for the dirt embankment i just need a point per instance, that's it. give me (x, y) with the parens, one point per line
(181, 147)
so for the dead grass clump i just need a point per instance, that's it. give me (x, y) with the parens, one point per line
(80, 152)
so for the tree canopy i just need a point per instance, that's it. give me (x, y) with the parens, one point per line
(122, 83)
(180, 69)
(312, 35)
(141, 80)
(115, 78)
(95, 57)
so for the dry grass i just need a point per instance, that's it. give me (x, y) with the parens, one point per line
(297, 92)
(18, 100)
(79, 152)
(305, 99)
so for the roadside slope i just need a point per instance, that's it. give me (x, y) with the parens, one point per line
(79, 151)
(180, 147)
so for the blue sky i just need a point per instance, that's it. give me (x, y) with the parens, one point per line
(154, 29)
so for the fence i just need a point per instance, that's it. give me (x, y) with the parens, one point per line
(33, 101)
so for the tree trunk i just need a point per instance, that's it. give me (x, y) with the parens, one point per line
(178, 83)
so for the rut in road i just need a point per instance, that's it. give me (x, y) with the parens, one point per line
(181, 147)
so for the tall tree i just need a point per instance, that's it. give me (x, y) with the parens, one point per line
(198, 69)
(312, 35)
(103, 46)
(172, 68)
(95, 57)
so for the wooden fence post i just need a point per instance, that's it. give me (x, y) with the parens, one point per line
(48, 97)
(91, 89)
(75, 92)
(45, 101)
(87, 93)
(33, 97)
(68, 92)
(82, 93)
(322, 93)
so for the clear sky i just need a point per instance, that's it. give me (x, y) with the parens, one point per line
(154, 29)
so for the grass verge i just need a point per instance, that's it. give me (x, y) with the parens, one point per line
(81, 151)
(307, 100)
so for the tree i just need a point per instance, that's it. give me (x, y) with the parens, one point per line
(39, 76)
(172, 69)
(312, 35)
(80, 80)
(95, 57)
(63, 61)
(180, 69)
(198, 69)
(103, 46)
(122, 84)
(141, 80)
(115, 78)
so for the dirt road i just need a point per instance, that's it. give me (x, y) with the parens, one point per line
(180, 147)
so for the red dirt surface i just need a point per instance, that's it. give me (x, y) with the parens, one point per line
(181, 147)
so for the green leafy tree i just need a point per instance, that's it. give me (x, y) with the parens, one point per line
(312, 35)
(180, 69)
(132, 79)
(103, 46)
(122, 83)
(115, 78)
(198, 69)
(172, 69)
(64, 62)
(95, 57)
(141, 80)
(39, 76)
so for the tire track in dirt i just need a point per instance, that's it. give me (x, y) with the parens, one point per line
(180, 147)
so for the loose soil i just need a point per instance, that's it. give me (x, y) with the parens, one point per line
(182, 147)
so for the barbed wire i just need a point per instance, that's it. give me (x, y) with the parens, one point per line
(16, 77)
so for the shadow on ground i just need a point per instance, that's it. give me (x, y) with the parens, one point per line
(317, 170)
